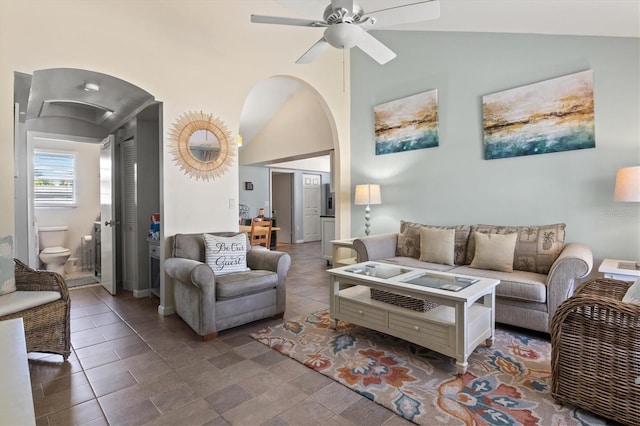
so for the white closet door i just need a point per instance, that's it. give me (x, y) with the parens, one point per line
(129, 211)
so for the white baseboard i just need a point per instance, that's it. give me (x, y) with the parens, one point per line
(299, 241)
(166, 310)
(140, 293)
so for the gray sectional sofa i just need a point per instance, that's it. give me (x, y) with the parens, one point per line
(544, 273)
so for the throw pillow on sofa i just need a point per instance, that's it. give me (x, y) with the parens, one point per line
(537, 247)
(494, 251)
(226, 255)
(437, 245)
(409, 240)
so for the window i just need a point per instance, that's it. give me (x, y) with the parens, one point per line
(54, 178)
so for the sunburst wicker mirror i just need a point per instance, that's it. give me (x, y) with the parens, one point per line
(201, 145)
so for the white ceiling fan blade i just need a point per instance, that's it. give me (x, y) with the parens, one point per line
(278, 20)
(342, 4)
(374, 48)
(416, 12)
(313, 52)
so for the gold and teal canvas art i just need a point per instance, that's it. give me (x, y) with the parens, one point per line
(551, 116)
(407, 124)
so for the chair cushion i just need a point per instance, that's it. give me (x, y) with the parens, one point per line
(226, 255)
(633, 294)
(7, 266)
(242, 283)
(23, 300)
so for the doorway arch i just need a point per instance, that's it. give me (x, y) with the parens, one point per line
(284, 119)
(74, 105)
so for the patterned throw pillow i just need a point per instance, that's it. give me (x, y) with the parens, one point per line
(7, 266)
(537, 247)
(226, 255)
(409, 240)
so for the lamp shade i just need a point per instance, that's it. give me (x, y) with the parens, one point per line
(627, 184)
(368, 195)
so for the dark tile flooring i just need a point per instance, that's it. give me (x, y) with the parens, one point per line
(131, 366)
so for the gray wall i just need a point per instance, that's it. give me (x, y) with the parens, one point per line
(257, 198)
(453, 184)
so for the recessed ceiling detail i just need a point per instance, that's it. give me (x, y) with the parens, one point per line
(81, 110)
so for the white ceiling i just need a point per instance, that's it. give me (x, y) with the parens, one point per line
(611, 18)
(619, 18)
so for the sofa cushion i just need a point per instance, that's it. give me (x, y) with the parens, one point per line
(242, 283)
(191, 246)
(437, 245)
(7, 266)
(537, 247)
(226, 255)
(22, 300)
(494, 251)
(517, 285)
(409, 240)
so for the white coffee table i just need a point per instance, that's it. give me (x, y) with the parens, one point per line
(455, 327)
(624, 270)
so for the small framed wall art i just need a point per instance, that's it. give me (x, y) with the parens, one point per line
(407, 124)
(248, 186)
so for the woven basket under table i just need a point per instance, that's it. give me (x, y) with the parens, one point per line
(408, 302)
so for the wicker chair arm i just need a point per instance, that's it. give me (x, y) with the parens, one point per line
(604, 287)
(28, 279)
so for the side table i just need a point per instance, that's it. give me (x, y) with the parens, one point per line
(343, 244)
(625, 270)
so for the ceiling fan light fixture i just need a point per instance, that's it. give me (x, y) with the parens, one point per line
(343, 35)
(91, 87)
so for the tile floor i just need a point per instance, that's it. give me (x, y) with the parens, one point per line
(130, 366)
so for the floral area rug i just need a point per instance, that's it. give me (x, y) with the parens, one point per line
(507, 384)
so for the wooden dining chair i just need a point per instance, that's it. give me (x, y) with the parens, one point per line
(260, 232)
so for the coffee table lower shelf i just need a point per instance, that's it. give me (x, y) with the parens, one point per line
(434, 329)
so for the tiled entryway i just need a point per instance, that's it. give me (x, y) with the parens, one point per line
(130, 366)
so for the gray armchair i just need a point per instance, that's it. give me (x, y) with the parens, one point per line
(210, 303)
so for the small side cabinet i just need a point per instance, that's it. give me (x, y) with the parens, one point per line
(154, 267)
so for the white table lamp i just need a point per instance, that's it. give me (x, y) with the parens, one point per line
(367, 195)
(628, 187)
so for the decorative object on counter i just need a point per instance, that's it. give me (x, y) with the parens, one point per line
(550, 116)
(367, 195)
(407, 124)
(154, 227)
(200, 145)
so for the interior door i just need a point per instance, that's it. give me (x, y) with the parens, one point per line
(107, 215)
(282, 199)
(311, 196)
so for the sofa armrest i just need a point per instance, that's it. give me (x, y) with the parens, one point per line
(575, 262)
(376, 247)
(28, 279)
(270, 260)
(191, 272)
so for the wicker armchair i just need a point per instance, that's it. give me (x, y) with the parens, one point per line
(595, 360)
(46, 326)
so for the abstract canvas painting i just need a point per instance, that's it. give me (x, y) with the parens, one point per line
(551, 116)
(407, 124)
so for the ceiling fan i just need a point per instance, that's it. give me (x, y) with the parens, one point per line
(347, 24)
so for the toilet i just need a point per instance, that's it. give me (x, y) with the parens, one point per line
(52, 251)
